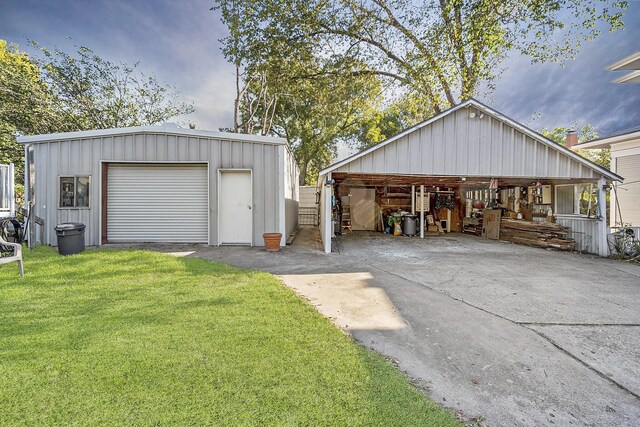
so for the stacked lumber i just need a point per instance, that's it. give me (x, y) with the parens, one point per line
(533, 233)
(472, 226)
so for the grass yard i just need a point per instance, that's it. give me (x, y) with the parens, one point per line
(111, 337)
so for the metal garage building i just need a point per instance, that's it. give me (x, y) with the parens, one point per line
(468, 148)
(163, 184)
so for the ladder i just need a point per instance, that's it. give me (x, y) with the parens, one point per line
(345, 226)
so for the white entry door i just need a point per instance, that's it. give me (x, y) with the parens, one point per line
(235, 208)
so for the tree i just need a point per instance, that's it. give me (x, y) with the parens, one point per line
(95, 93)
(319, 113)
(59, 92)
(27, 104)
(586, 132)
(283, 88)
(438, 50)
(380, 124)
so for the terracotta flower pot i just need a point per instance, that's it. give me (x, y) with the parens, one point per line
(272, 241)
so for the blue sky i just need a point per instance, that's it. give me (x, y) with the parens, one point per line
(178, 42)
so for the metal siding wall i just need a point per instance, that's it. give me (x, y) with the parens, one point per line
(437, 144)
(402, 155)
(291, 192)
(258, 198)
(582, 227)
(83, 157)
(270, 192)
(457, 145)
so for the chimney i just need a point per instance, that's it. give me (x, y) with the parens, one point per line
(572, 138)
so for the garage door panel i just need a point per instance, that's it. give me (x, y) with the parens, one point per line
(157, 203)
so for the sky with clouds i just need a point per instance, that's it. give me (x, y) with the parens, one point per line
(178, 41)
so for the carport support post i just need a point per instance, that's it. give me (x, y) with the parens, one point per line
(422, 211)
(603, 229)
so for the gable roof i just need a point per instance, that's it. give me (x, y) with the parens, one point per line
(624, 135)
(167, 128)
(562, 150)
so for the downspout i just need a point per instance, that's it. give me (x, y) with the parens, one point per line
(27, 198)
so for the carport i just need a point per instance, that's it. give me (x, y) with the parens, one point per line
(447, 169)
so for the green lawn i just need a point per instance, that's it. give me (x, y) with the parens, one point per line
(139, 338)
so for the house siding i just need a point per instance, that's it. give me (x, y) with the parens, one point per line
(627, 209)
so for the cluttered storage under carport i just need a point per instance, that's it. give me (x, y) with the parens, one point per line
(520, 214)
(397, 209)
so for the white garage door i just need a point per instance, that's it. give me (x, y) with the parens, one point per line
(157, 203)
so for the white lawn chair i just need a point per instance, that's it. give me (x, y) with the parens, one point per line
(17, 255)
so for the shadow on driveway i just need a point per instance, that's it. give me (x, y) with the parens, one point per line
(512, 334)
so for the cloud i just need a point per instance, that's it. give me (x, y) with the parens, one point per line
(178, 42)
(580, 91)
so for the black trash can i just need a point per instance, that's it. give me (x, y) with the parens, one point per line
(70, 237)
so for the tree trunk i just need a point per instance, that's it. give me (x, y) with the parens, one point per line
(304, 166)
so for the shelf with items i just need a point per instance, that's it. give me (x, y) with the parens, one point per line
(539, 194)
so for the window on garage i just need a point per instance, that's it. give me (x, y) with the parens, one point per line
(74, 192)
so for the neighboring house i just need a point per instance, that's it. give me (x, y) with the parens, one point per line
(163, 184)
(458, 156)
(625, 161)
(625, 155)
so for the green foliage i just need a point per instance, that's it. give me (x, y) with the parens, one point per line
(422, 53)
(94, 93)
(586, 132)
(26, 104)
(286, 86)
(319, 113)
(60, 92)
(401, 114)
(111, 337)
(437, 50)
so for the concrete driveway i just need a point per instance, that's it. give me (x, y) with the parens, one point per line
(501, 333)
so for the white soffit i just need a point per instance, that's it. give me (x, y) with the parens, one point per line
(631, 62)
(633, 77)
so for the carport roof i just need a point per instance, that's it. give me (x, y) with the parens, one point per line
(562, 150)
